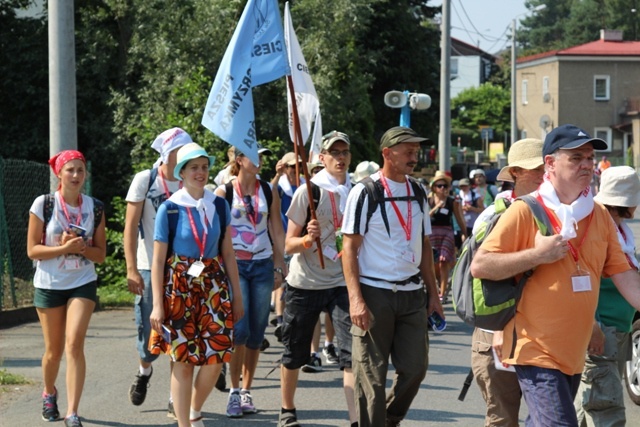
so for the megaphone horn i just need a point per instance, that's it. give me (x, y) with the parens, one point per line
(395, 99)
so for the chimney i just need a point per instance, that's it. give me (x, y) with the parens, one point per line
(611, 35)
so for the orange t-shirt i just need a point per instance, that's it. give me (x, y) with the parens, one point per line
(553, 323)
(604, 164)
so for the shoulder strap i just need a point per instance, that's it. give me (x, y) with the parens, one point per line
(172, 217)
(539, 214)
(266, 189)
(228, 193)
(375, 194)
(221, 211)
(98, 211)
(49, 203)
(418, 190)
(153, 174)
(315, 193)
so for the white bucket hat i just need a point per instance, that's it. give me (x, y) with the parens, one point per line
(364, 169)
(619, 186)
(525, 154)
(189, 152)
(475, 172)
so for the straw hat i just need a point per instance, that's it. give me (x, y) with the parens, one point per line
(365, 169)
(619, 186)
(525, 154)
(440, 176)
(189, 152)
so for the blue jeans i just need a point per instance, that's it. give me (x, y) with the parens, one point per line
(142, 309)
(549, 394)
(256, 285)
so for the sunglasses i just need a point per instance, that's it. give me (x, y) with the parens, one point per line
(247, 203)
(442, 186)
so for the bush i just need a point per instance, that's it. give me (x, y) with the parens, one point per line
(113, 271)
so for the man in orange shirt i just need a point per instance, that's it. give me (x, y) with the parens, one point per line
(603, 164)
(547, 339)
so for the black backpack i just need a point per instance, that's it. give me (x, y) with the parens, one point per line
(49, 203)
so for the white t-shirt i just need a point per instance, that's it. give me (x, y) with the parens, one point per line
(152, 201)
(305, 271)
(65, 271)
(250, 242)
(388, 257)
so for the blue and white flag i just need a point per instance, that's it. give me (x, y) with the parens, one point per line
(256, 55)
(305, 93)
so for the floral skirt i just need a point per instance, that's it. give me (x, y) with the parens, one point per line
(442, 240)
(197, 313)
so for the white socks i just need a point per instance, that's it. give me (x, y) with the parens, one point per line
(145, 371)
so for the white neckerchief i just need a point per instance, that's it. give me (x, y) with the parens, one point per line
(284, 183)
(324, 179)
(629, 245)
(204, 206)
(507, 194)
(568, 215)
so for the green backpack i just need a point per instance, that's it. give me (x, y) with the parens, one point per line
(490, 304)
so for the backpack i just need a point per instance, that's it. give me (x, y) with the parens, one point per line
(153, 174)
(172, 216)
(49, 204)
(484, 303)
(377, 197)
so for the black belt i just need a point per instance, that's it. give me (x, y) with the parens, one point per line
(412, 279)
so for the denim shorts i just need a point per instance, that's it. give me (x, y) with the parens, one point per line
(256, 285)
(142, 309)
(301, 312)
(51, 298)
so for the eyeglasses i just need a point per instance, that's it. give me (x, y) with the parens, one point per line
(248, 206)
(338, 153)
(442, 186)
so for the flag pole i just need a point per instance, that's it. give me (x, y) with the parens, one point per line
(299, 150)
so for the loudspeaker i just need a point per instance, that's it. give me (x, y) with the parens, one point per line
(395, 99)
(419, 101)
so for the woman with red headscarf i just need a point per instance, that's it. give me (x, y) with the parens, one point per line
(66, 237)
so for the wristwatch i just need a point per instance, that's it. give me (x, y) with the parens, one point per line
(279, 270)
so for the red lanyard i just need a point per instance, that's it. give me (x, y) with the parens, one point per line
(406, 226)
(556, 227)
(164, 184)
(66, 212)
(624, 237)
(336, 223)
(253, 219)
(201, 243)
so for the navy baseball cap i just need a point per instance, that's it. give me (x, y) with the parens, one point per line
(568, 137)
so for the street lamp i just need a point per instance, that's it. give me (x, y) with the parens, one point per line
(514, 119)
(406, 101)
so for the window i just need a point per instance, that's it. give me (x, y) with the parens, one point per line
(523, 134)
(601, 88)
(454, 68)
(604, 134)
(545, 89)
(525, 84)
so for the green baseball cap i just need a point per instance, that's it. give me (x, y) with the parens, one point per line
(399, 134)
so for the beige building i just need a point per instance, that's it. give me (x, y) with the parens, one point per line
(595, 86)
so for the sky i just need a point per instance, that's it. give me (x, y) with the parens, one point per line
(486, 23)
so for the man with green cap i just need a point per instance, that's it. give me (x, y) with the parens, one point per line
(388, 263)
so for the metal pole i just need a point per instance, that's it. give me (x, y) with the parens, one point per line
(444, 137)
(63, 122)
(514, 119)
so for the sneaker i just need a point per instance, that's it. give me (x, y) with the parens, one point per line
(234, 408)
(197, 422)
(138, 390)
(314, 365)
(221, 383)
(246, 403)
(72, 421)
(330, 356)
(278, 333)
(50, 406)
(274, 322)
(171, 413)
(288, 419)
(265, 344)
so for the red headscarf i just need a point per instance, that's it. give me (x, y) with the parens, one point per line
(63, 157)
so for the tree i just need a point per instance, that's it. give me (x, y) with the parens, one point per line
(486, 105)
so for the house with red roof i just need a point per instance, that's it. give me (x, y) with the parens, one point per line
(595, 86)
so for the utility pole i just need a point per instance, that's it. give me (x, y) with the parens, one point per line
(63, 122)
(444, 137)
(514, 119)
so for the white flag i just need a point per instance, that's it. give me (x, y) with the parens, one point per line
(306, 97)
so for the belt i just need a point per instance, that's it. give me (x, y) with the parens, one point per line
(412, 279)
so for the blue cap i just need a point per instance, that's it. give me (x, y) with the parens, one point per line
(567, 137)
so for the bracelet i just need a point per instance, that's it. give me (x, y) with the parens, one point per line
(307, 242)
(278, 270)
